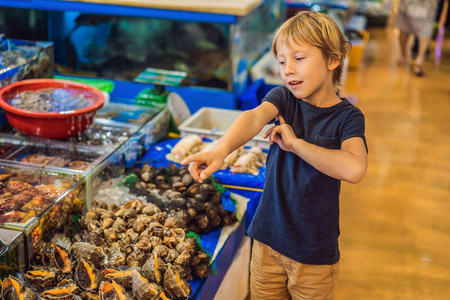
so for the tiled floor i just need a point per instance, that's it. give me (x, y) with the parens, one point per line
(395, 225)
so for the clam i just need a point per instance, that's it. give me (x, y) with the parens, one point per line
(212, 210)
(174, 286)
(142, 289)
(112, 291)
(215, 221)
(87, 276)
(13, 289)
(202, 221)
(65, 292)
(60, 259)
(88, 252)
(41, 278)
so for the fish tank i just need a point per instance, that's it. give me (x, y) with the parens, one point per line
(125, 111)
(9, 144)
(12, 253)
(213, 53)
(38, 153)
(39, 203)
(22, 59)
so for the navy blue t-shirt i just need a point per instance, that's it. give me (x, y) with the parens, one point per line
(298, 214)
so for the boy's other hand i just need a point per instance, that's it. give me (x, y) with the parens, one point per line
(203, 164)
(282, 134)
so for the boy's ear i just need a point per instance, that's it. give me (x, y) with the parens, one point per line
(333, 63)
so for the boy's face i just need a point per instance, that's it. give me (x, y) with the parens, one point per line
(304, 70)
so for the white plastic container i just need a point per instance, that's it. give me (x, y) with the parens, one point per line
(213, 122)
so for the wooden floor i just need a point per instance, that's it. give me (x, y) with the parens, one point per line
(395, 224)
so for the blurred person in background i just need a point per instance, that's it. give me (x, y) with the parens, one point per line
(417, 17)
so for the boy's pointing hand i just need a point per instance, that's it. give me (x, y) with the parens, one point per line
(202, 165)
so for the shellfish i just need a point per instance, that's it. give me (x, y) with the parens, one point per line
(142, 289)
(112, 291)
(174, 286)
(154, 268)
(41, 278)
(88, 252)
(60, 259)
(87, 276)
(13, 289)
(65, 292)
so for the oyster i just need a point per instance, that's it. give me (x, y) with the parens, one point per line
(13, 289)
(88, 252)
(87, 276)
(142, 289)
(174, 286)
(60, 259)
(66, 292)
(112, 291)
(41, 278)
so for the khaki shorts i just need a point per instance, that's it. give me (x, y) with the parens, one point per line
(274, 276)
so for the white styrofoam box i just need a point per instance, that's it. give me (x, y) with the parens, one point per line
(235, 284)
(268, 68)
(212, 123)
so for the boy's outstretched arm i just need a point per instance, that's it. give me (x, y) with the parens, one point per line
(348, 164)
(244, 128)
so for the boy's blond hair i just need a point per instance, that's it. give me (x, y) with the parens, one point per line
(318, 30)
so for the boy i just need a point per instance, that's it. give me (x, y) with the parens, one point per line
(319, 142)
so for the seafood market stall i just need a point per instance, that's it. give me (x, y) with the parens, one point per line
(90, 210)
(215, 43)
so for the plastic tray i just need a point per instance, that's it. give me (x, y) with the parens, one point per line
(213, 122)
